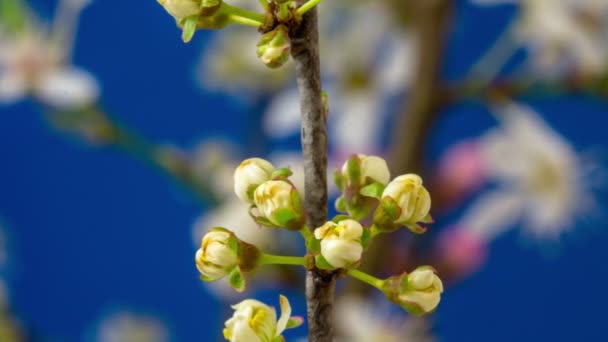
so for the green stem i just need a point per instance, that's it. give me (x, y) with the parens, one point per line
(306, 233)
(269, 259)
(310, 4)
(242, 16)
(366, 278)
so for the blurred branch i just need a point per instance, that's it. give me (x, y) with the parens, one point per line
(429, 20)
(511, 88)
(320, 285)
(94, 126)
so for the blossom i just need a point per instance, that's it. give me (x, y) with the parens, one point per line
(279, 203)
(254, 321)
(341, 242)
(405, 201)
(34, 60)
(540, 178)
(249, 175)
(418, 292)
(218, 254)
(181, 9)
(127, 326)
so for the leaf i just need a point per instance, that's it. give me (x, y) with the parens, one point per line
(237, 280)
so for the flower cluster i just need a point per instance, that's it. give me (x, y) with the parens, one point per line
(337, 245)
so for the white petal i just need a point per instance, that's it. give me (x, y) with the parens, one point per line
(12, 87)
(282, 118)
(285, 314)
(494, 213)
(67, 88)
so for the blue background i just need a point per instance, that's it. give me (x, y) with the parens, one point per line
(92, 229)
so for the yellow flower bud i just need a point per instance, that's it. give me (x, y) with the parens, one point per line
(180, 9)
(341, 242)
(279, 203)
(218, 254)
(254, 321)
(423, 289)
(418, 293)
(249, 175)
(411, 197)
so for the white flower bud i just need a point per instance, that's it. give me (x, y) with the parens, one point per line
(341, 242)
(423, 290)
(411, 197)
(254, 321)
(372, 167)
(217, 256)
(279, 203)
(180, 9)
(249, 175)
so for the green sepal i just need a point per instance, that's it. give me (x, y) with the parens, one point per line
(353, 170)
(339, 218)
(281, 174)
(323, 264)
(416, 228)
(189, 29)
(278, 339)
(237, 280)
(261, 220)
(206, 279)
(340, 204)
(428, 219)
(284, 216)
(339, 179)
(313, 245)
(404, 282)
(413, 308)
(366, 237)
(386, 214)
(294, 322)
(373, 190)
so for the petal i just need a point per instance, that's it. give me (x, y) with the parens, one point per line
(12, 87)
(67, 88)
(282, 118)
(285, 314)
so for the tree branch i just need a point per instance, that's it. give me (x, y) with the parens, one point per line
(319, 284)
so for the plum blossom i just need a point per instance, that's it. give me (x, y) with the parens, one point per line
(36, 60)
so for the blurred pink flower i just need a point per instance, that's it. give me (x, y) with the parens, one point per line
(461, 170)
(461, 251)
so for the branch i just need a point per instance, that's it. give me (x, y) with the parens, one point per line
(320, 285)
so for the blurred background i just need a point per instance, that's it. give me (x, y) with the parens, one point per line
(118, 143)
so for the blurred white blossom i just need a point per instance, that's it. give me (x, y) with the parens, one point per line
(36, 60)
(561, 35)
(125, 326)
(540, 178)
(362, 320)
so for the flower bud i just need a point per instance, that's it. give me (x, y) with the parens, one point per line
(223, 254)
(341, 242)
(404, 202)
(209, 7)
(254, 321)
(274, 47)
(361, 180)
(279, 204)
(181, 9)
(371, 169)
(249, 175)
(418, 293)
(218, 254)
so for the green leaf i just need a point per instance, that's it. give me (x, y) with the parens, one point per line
(339, 218)
(189, 28)
(323, 264)
(294, 322)
(237, 280)
(373, 190)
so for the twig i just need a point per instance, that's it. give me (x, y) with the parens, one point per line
(320, 285)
